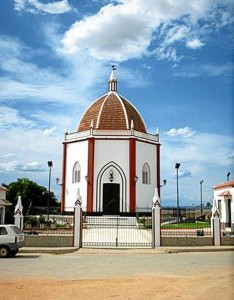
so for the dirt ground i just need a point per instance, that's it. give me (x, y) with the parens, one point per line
(144, 287)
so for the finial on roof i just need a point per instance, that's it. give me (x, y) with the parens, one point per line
(112, 82)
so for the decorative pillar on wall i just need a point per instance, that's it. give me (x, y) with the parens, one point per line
(215, 224)
(78, 221)
(18, 214)
(156, 220)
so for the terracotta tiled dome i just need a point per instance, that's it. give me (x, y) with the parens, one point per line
(111, 112)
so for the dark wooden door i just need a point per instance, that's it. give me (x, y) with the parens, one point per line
(111, 197)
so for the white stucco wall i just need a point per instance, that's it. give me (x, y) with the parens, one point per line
(107, 151)
(76, 152)
(110, 154)
(224, 203)
(145, 153)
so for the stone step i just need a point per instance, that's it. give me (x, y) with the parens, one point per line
(111, 220)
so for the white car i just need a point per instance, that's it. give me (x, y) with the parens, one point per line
(11, 239)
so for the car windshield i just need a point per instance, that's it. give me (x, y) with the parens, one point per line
(16, 230)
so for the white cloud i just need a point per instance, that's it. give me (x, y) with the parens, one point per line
(195, 44)
(127, 29)
(8, 156)
(184, 173)
(50, 131)
(185, 132)
(23, 79)
(35, 6)
(10, 117)
(16, 166)
(115, 33)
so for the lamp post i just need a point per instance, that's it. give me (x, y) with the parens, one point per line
(201, 182)
(164, 183)
(50, 164)
(177, 165)
(228, 175)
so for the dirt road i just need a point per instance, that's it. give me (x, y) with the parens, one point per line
(118, 276)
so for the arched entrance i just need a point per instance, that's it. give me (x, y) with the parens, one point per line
(111, 190)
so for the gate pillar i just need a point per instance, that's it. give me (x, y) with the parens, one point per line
(18, 214)
(215, 224)
(156, 220)
(78, 222)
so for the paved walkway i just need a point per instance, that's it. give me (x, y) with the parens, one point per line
(159, 250)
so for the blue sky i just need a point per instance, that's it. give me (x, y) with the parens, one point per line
(174, 63)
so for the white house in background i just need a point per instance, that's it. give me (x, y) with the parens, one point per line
(3, 203)
(110, 160)
(224, 196)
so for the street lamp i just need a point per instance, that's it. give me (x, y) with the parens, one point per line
(50, 164)
(228, 175)
(177, 165)
(57, 181)
(201, 182)
(164, 183)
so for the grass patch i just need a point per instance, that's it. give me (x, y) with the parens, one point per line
(185, 225)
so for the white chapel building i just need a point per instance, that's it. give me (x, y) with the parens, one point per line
(110, 161)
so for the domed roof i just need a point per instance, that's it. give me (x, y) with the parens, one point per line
(111, 112)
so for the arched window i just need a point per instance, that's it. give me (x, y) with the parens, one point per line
(76, 173)
(146, 174)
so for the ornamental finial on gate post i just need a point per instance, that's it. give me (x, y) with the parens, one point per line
(156, 200)
(79, 198)
(215, 211)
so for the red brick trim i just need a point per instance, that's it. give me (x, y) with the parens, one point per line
(91, 145)
(158, 168)
(64, 177)
(132, 174)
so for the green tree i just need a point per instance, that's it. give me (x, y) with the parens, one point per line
(208, 205)
(34, 197)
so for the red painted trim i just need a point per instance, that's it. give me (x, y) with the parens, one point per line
(91, 144)
(64, 177)
(158, 168)
(132, 174)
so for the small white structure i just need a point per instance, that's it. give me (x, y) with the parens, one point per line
(18, 215)
(110, 158)
(224, 197)
(3, 204)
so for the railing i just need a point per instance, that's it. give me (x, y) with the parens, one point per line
(111, 133)
(188, 222)
(185, 228)
(55, 224)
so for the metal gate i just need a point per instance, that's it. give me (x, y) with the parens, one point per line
(116, 231)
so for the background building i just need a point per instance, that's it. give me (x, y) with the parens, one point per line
(110, 160)
(223, 195)
(3, 204)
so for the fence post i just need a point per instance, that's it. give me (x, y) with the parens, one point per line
(78, 222)
(215, 225)
(18, 214)
(156, 220)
